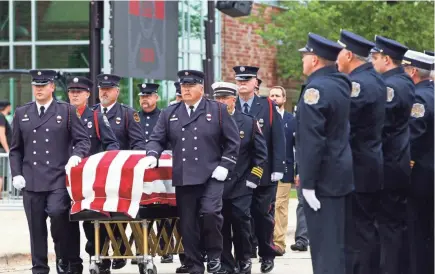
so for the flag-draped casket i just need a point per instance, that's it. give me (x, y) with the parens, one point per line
(115, 181)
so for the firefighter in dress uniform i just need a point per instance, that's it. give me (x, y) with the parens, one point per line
(38, 167)
(387, 58)
(205, 143)
(262, 208)
(125, 123)
(323, 152)
(102, 139)
(421, 195)
(237, 196)
(367, 115)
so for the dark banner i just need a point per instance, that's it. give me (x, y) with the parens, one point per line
(145, 39)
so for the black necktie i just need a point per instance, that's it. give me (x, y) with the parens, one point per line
(191, 110)
(41, 111)
(246, 108)
(104, 111)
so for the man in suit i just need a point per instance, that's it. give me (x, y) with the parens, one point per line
(262, 208)
(102, 139)
(125, 123)
(42, 134)
(421, 195)
(205, 143)
(367, 116)
(278, 95)
(323, 152)
(387, 56)
(237, 196)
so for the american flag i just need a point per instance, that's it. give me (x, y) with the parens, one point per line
(113, 181)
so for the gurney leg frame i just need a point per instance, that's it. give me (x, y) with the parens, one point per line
(95, 260)
(146, 264)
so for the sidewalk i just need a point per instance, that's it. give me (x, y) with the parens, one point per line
(15, 248)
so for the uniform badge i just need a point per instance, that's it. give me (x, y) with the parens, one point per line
(58, 119)
(311, 96)
(89, 124)
(118, 120)
(144, 85)
(356, 88)
(390, 94)
(242, 134)
(105, 78)
(106, 121)
(78, 113)
(417, 110)
(76, 80)
(261, 122)
(230, 112)
(242, 69)
(25, 119)
(136, 117)
(39, 73)
(208, 117)
(186, 73)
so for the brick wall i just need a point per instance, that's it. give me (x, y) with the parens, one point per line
(242, 46)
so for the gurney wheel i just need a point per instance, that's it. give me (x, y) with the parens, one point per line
(145, 269)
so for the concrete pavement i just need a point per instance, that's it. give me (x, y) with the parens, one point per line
(15, 249)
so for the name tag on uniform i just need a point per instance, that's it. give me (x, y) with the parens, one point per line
(173, 119)
(25, 119)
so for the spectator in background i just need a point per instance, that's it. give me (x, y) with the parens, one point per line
(5, 140)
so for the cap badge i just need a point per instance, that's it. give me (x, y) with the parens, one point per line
(186, 73)
(105, 78)
(242, 69)
(39, 73)
(144, 85)
(76, 80)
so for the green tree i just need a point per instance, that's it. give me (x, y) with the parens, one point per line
(410, 23)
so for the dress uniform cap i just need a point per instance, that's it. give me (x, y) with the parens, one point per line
(418, 60)
(224, 89)
(190, 77)
(428, 52)
(148, 88)
(42, 77)
(355, 43)
(389, 47)
(108, 80)
(322, 47)
(177, 88)
(245, 72)
(80, 83)
(4, 103)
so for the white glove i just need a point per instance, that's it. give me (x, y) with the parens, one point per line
(276, 176)
(310, 197)
(73, 161)
(220, 173)
(251, 184)
(19, 182)
(148, 162)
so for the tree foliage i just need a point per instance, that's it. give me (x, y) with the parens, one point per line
(410, 23)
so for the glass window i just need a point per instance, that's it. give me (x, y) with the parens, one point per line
(195, 62)
(62, 20)
(23, 21)
(76, 56)
(4, 57)
(4, 21)
(23, 57)
(16, 87)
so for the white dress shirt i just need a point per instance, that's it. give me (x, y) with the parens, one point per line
(108, 108)
(38, 105)
(195, 106)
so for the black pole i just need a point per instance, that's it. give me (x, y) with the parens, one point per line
(209, 42)
(96, 20)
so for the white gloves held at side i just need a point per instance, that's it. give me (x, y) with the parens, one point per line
(19, 182)
(220, 173)
(310, 197)
(251, 184)
(276, 176)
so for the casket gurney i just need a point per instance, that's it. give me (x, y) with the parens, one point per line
(112, 189)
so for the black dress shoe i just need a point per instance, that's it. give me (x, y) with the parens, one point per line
(61, 266)
(204, 257)
(298, 246)
(245, 267)
(266, 265)
(224, 271)
(214, 265)
(182, 269)
(118, 263)
(167, 259)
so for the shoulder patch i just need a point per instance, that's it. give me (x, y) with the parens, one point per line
(106, 121)
(390, 94)
(311, 96)
(356, 88)
(417, 110)
(136, 117)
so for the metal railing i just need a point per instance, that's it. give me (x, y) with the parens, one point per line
(11, 197)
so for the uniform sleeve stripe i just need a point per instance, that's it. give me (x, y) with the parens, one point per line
(231, 160)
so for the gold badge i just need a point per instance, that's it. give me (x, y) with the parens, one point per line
(356, 88)
(242, 134)
(311, 96)
(417, 110)
(78, 113)
(136, 117)
(390, 94)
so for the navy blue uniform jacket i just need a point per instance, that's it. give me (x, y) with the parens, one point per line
(322, 133)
